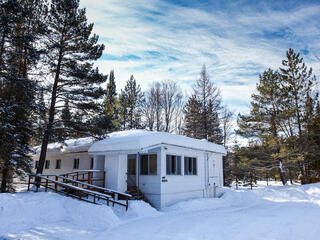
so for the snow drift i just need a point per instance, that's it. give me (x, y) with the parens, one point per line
(268, 213)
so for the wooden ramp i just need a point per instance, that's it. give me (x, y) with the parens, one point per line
(78, 184)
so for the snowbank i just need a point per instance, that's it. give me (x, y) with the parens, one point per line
(22, 211)
(270, 213)
(262, 195)
(137, 209)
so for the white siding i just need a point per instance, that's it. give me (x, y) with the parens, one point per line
(111, 167)
(98, 164)
(183, 187)
(150, 184)
(122, 173)
(66, 162)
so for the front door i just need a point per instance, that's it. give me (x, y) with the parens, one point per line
(131, 175)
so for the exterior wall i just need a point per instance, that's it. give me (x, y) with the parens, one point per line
(66, 162)
(163, 190)
(98, 164)
(111, 167)
(150, 185)
(183, 187)
(122, 172)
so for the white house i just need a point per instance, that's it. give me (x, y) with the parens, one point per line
(166, 167)
(66, 157)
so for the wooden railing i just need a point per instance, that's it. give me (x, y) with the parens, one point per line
(79, 189)
(86, 176)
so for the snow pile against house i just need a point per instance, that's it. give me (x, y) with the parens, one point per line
(140, 139)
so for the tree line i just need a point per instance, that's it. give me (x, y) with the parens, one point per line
(50, 89)
(282, 127)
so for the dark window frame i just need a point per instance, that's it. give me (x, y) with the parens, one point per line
(173, 164)
(58, 163)
(76, 163)
(190, 166)
(145, 164)
(91, 163)
(47, 164)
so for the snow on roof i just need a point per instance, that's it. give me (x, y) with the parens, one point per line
(141, 139)
(71, 145)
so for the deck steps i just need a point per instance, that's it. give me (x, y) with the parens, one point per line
(136, 193)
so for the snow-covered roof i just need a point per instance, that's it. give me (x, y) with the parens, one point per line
(142, 139)
(68, 146)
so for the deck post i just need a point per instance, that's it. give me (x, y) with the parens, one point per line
(127, 203)
(56, 185)
(46, 188)
(38, 185)
(89, 177)
(29, 183)
(104, 179)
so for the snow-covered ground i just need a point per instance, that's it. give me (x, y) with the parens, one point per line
(268, 213)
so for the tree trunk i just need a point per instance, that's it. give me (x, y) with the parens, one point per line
(47, 132)
(282, 175)
(4, 179)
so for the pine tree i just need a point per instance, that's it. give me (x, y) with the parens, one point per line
(39, 117)
(192, 113)
(111, 97)
(266, 120)
(71, 52)
(207, 97)
(19, 28)
(297, 82)
(131, 101)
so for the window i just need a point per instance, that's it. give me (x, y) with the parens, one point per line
(153, 164)
(132, 164)
(173, 165)
(36, 165)
(148, 164)
(91, 163)
(190, 166)
(76, 163)
(47, 164)
(58, 163)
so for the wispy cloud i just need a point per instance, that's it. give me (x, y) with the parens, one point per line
(237, 40)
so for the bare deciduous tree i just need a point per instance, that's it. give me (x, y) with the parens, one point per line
(171, 100)
(226, 121)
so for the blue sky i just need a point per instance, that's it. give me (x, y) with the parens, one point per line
(172, 39)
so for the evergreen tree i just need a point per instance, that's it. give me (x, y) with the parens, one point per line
(39, 117)
(71, 52)
(131, 102)
(111, 97)
(266, 120)
(207, 98)
(192, 113)
(280, 123)
(19, 28)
